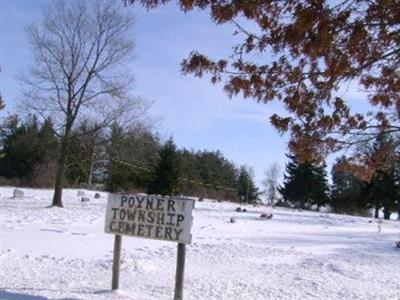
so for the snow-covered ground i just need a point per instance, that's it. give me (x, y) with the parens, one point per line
(55, 253)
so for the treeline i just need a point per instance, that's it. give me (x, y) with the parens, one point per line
(118, 159)
(305, 183)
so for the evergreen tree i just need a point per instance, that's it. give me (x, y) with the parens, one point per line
(80, 150)
(247, 190)
(130, 155)
(44, 171)
(48, 140)
(21, 151)
(207, 174)
(346, 191)
(382, 190)
(320, 196)
(191, 186)
(119, 176)
(143, 147)
(305, 184)
(167, 172)
(27, 151)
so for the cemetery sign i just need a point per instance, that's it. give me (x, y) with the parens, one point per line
(150, 217)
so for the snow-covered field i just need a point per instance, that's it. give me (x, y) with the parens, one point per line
(54, 253)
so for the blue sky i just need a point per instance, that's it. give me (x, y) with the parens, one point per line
(197, 114)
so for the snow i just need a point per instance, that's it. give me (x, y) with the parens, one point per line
(63, 253)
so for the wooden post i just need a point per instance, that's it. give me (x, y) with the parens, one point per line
(116, 262)
(180, 270)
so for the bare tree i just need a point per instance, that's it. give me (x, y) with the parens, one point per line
(270, 181)
(81, 72)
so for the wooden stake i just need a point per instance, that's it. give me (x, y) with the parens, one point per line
(180, 270)
(116, 262)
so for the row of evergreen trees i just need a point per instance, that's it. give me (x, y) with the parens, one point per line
(119, 159)
(136, 160)
(306, 185)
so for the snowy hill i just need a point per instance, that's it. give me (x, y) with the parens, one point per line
(54, 253)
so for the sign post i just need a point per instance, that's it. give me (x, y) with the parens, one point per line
(116, 262)
(151, 217)
(180, 270)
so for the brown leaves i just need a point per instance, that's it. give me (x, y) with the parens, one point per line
(318, 46)
(368, 161)
(196, 64)
(281, 124)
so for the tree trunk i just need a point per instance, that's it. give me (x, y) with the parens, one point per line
(376, 212)
(61, 163)
(386, 213)
(91, 171)
(398, 212)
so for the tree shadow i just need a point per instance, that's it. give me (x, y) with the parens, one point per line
(19, 296)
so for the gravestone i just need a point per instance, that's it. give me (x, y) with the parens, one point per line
(97, 196)
(266, 215)
(80, 193)
(18, 193)
(85, 199)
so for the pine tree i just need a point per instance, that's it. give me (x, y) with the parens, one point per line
(81, 147)
(44, 171)
(247, 190)
(131, 155)
(119, 175)
(21, 151)
(48, 140)
(305, 184)
(167, 172)
(143, 147)
(382, 190)
(346, 191)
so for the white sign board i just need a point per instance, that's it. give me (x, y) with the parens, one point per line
(150, 217)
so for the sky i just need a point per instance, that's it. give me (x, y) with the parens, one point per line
(196, 113)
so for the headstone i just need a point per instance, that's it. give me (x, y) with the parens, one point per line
(266, 215)
(80, 193)
(97, 196)
(238, 209)
(398, 244)
(18, 193)
(85, 199)
(244, 210)
(232, 220)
